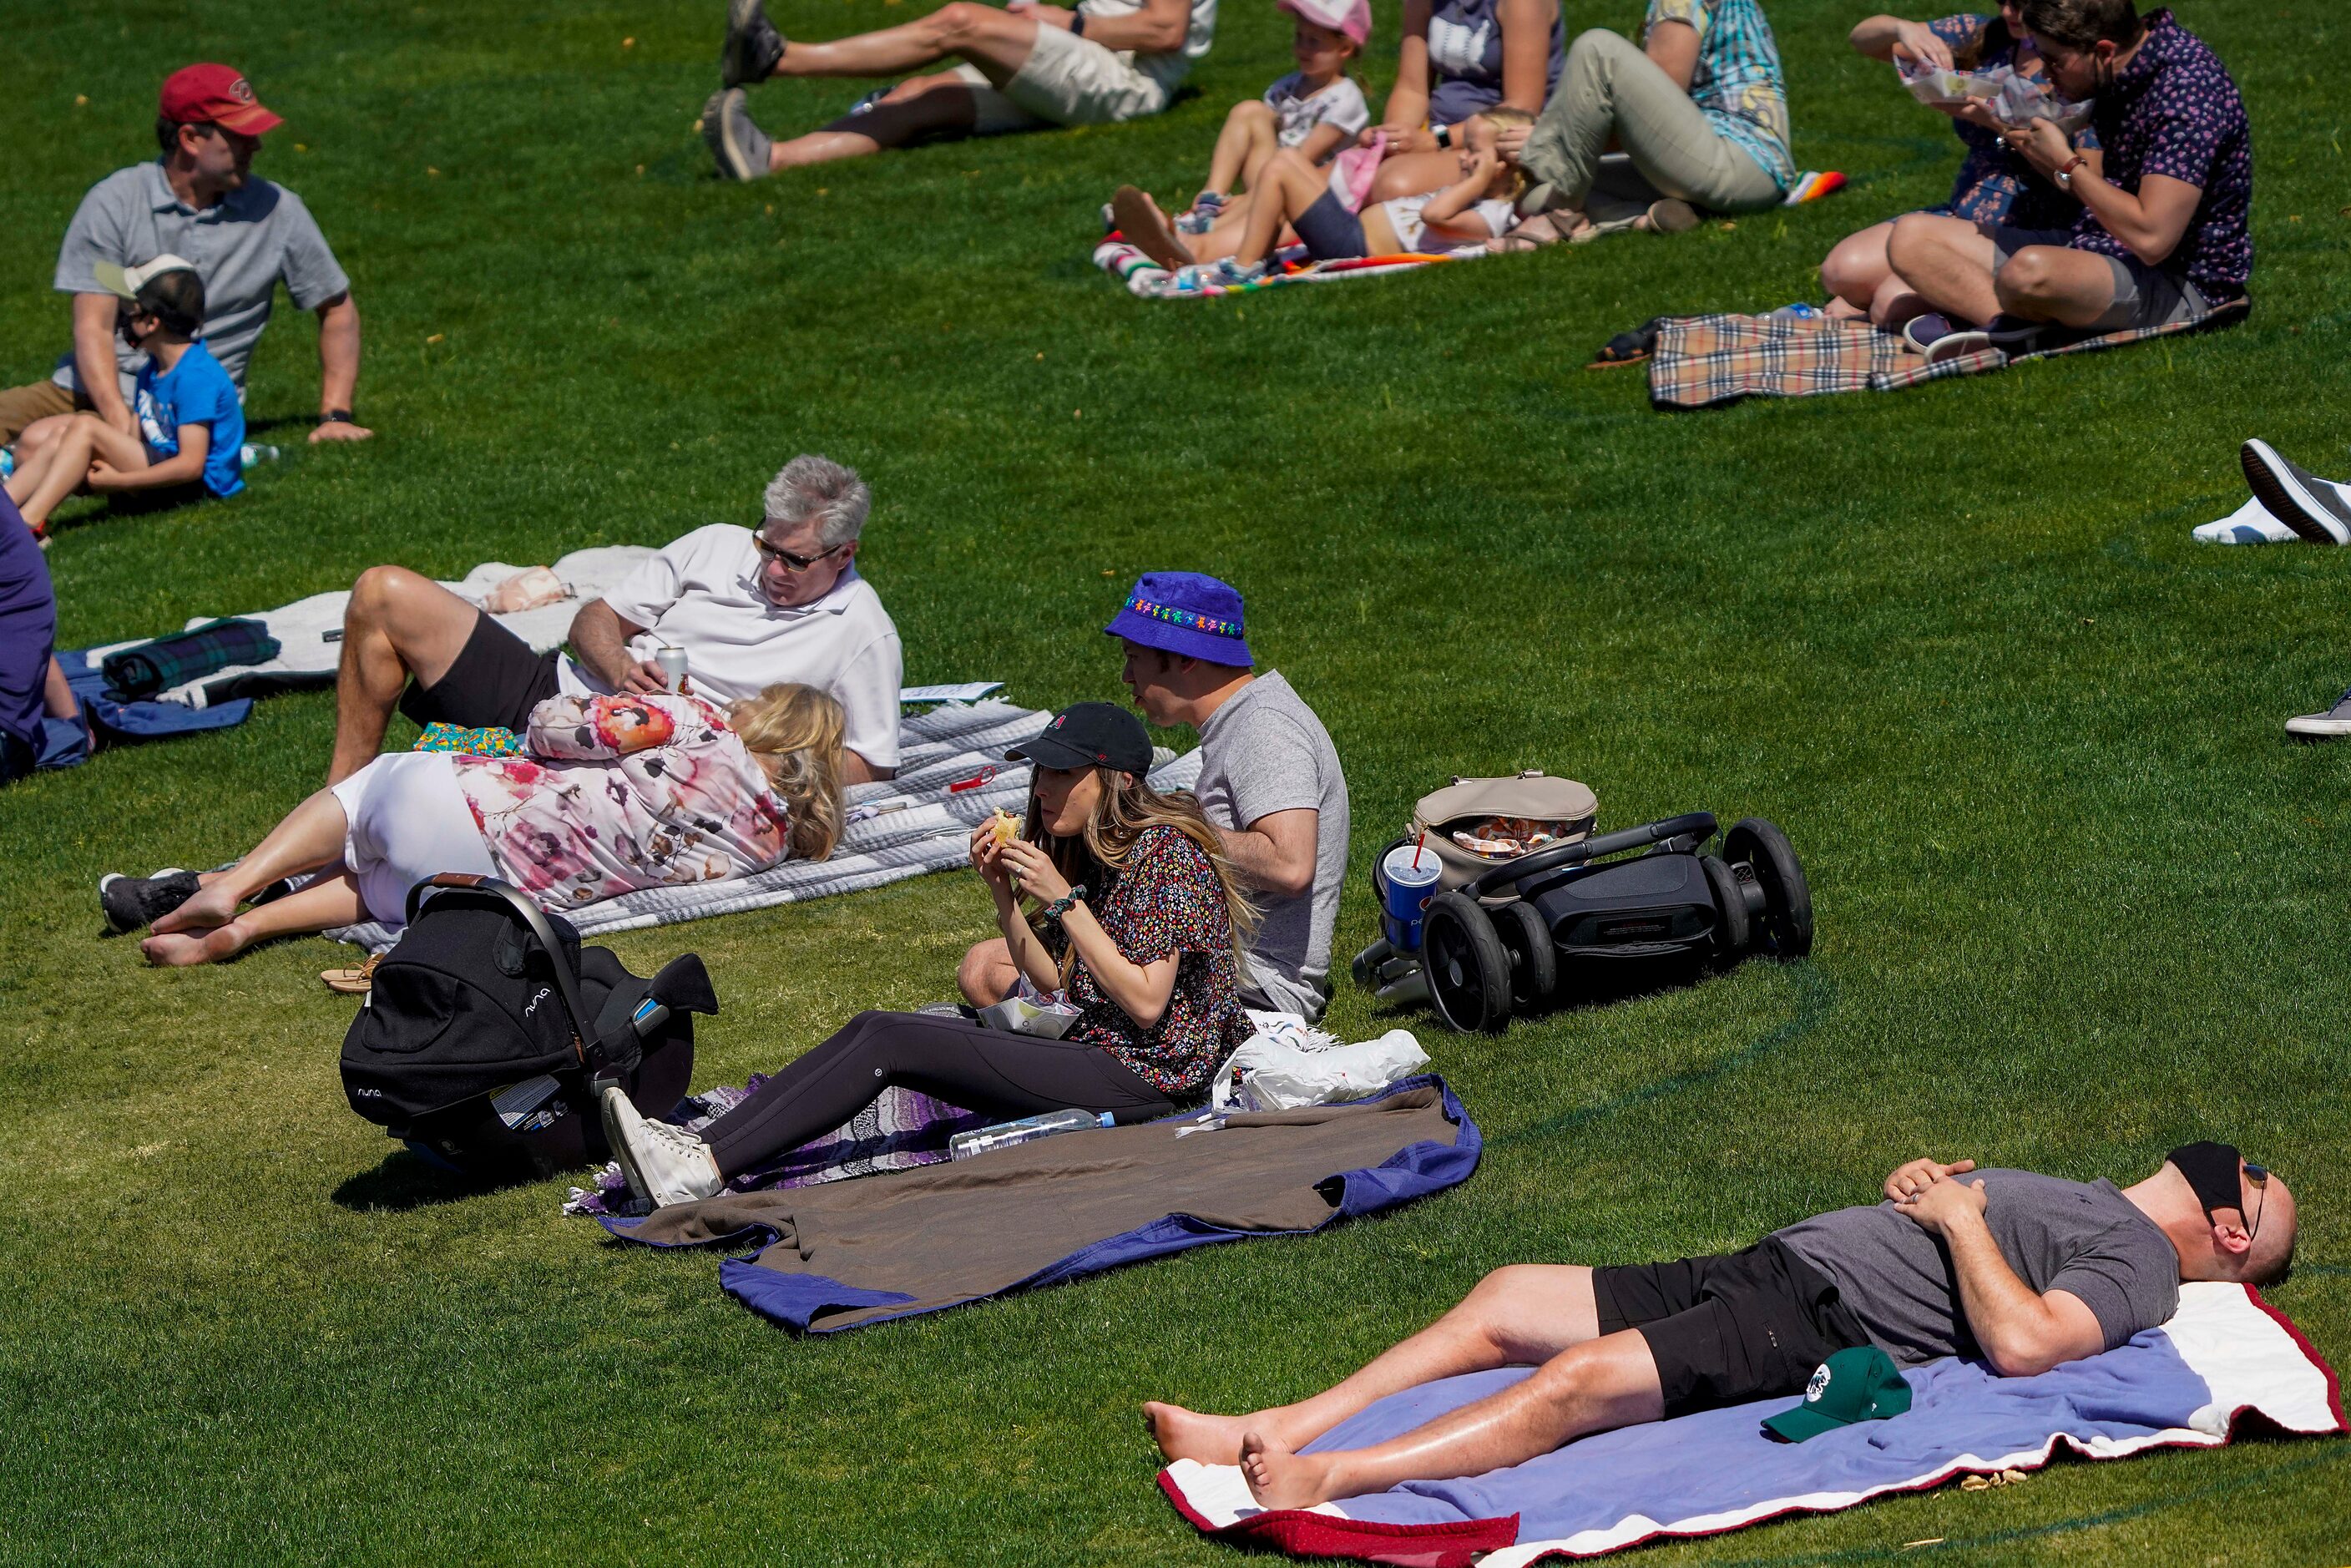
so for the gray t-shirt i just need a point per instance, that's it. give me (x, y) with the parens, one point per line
(2088, 1240)
(243, 247)
(1264, 751)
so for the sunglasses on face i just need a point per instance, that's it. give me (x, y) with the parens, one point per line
(2260, 1176)
(791, 562)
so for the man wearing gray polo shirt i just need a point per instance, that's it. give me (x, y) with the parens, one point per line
(246, 236)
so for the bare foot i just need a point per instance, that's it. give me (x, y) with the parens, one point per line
(173, 950)
(1280, 1478)
(213, 905)
(1184, 1434)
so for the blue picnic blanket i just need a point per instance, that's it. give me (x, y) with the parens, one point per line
(65, 744)
(853, 1253)
(2224, 1353)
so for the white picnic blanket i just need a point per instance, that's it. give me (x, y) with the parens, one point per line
(309, 631)
(918, 822)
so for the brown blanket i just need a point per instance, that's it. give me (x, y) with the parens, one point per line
(956, 1232)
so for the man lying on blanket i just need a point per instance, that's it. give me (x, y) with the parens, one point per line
(2023, 1271)
(749, 609)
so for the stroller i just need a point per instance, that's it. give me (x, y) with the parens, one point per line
(1564, 923)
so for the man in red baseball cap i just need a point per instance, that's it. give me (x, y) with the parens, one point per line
(244, 235)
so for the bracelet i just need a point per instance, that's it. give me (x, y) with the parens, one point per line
(336, 416)
(1077, 23)
(1063, 906)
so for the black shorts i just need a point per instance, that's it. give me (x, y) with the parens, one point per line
(1726, 1330)
(495, 680)
(1328, 230)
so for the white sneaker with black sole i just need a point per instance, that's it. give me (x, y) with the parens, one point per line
(663, 1164)
(2318, 510)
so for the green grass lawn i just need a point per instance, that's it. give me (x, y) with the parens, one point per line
(2079, 900)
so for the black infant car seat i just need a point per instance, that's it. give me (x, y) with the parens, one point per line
(489, 1033)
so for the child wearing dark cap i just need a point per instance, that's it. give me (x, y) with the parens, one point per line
(191, 425)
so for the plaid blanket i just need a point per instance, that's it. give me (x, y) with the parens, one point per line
(191, 656)
(1703, 361)
(1147, 279)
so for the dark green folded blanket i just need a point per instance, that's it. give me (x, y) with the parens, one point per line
(166, 661)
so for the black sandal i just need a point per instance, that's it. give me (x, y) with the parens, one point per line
(1627, 347)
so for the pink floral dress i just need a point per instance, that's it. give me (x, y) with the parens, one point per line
(624, 792)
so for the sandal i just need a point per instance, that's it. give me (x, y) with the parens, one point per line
(1531, 233)
(355, 981)
(1627, 347)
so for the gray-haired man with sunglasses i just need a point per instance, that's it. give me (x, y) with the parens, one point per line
(749, 607)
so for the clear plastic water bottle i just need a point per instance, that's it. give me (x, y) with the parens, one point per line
(7, 461)
(1026, 1130)
(1801, 310)
(251, 453)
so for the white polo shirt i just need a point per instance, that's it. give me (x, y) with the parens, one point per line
(702, 593)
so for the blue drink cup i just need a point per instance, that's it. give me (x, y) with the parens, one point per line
(1409, 889)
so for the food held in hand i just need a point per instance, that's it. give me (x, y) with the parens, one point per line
(1007, 826)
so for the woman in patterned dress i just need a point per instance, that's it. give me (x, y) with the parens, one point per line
(617, 794)
(1115, 894)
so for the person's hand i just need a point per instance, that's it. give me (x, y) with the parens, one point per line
(339, 430)
(103, 476)
(1940, 1204)
(1406, 139)
(1916, 41)
(1510, 142)
(1043, 16)
(119, 417)
(643, 677)
(1038, 874)
(1919, 1174)
(2043, 145)
(988, 859)
(1975, 111)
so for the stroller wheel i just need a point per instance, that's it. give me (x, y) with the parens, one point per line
(1534, 961)
(1731, 926)
(1468, 972)
(1787, 896)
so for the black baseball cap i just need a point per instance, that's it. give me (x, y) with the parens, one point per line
(1090, 735)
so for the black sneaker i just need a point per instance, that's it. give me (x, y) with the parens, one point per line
(752, 47)
(739, 146)
(135, 903)
(2292, 494)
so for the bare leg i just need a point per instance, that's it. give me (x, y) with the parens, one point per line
(1856, 268)
(988, 973)
(917, 108)
(998, 42)
(1948, 262)
(1591, 1387)
(1287, 186)
(1412, 174)
(1243, 145)
(1520, 1316)
(68, 463)
(57, 694)
(1895, 303)
(330, 900)
(398, 623)
(2053, 283)
(311, 836)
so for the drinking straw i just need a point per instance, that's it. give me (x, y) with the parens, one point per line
(1416, 848)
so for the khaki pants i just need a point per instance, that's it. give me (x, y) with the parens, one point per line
(1609, 87)
(20, 406)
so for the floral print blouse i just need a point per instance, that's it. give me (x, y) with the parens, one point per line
(1995, 185)
(624, 792)
(1167, 900)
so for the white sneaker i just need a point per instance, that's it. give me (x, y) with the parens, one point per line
(2312, 506)
(2250, 524)
(665, 1165)
(2333, 723)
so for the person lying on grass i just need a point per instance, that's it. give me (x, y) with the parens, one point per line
(2162, 234)
(1020, 67)
(1477, 206)
(1131, 908)
(1317, 111)
(2023, 1271)
(751, 609)
(1994, 184)
(618, 793)
(190, 435)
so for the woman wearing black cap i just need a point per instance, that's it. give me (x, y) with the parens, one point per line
(1116, 893)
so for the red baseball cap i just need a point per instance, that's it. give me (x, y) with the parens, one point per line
(215, 93)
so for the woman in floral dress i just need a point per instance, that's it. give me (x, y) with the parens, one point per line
(617, 794)
(1114, 893)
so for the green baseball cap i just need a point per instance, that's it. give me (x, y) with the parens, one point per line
(1858, 1384)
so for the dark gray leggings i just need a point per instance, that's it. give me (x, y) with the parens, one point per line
(980, 1069)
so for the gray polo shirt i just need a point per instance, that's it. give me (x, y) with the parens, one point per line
(1264, 751)
(243, 245)
(2084, 1239)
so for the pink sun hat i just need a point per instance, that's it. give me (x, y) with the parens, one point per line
(1351, 19)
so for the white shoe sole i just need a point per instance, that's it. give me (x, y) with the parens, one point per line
(2287, 500)
(2318, 727)
(718, 130)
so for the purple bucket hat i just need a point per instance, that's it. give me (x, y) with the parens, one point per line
(1186, 614)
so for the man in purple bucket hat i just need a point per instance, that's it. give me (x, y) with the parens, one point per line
(1269, 780)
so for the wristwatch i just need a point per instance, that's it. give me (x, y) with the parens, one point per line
(1077, 23)
(336, 416)
(1444, 134)
(2065, 175)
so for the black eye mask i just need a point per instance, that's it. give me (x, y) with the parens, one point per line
(2212, 1170)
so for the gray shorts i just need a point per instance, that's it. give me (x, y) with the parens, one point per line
(2144, 296)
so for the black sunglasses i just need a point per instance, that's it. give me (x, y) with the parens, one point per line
(796, 562)
(2260, 1176)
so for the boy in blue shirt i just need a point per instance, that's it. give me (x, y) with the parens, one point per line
(190, 426)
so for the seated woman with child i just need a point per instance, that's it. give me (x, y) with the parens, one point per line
(617, 794)
(1115, 894)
